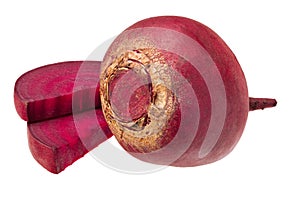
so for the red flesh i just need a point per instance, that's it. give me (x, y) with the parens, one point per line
(48, 92)
(57, 143)
(60, 130)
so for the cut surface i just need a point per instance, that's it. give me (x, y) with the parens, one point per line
(48, 92)
(57, 143)
(54, 99)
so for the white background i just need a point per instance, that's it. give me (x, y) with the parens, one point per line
(265, 36)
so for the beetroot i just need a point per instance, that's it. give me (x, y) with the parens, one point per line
(172, 93)
(48, 92)
(194, 103)
(57, 143)
(54, 99)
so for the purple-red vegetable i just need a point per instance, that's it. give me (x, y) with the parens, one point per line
(173, 92)
(48, 92)
(59, 105)
(57, 143)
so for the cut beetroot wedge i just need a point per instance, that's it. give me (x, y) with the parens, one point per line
(61, 104)
(57, 143)
(48, 92)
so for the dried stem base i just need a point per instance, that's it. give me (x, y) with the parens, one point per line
(261, 103)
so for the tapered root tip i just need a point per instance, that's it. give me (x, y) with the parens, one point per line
(261, 103)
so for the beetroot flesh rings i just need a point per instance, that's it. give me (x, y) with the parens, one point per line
(63, 124)
(47, 92)
(57, 143)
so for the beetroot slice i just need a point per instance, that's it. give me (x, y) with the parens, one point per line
(48, 92)
(57, 143)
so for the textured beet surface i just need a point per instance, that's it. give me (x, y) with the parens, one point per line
(204, 78)
(57, 143)
(48, 92)
(140, 98)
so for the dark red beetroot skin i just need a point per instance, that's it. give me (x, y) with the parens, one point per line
(48, 92)
(141, 48)
(60, 131)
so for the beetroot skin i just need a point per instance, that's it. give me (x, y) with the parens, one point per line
(48, 92)
(173, 93)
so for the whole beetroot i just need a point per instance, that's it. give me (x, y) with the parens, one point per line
(173, 93)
